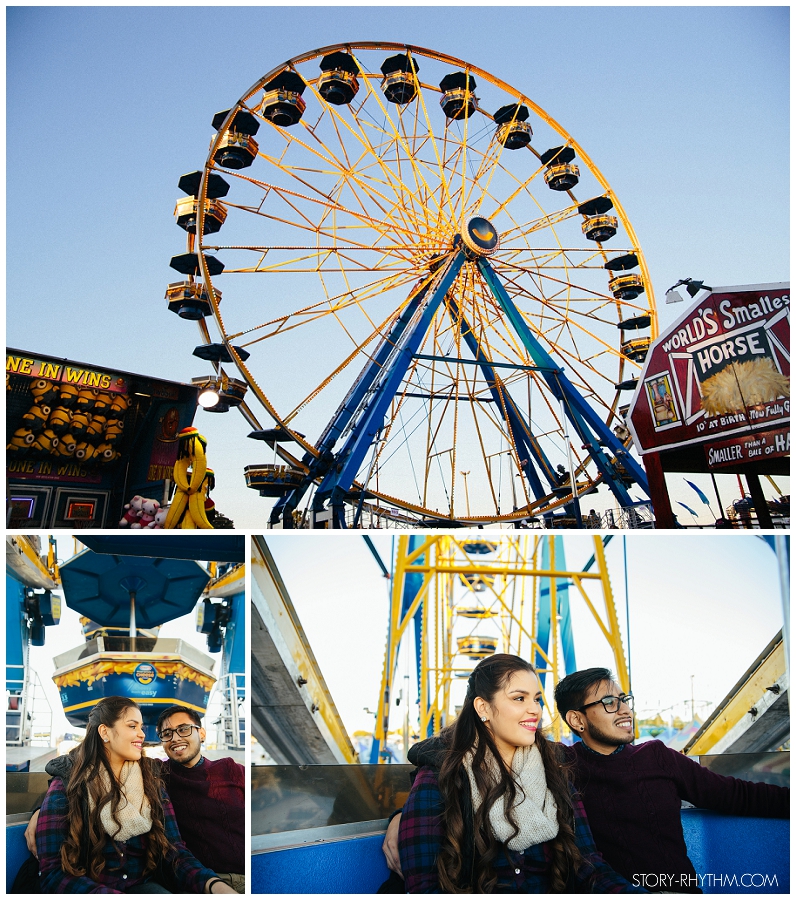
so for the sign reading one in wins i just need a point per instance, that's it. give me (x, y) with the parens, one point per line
(723, 368)
(66, 373)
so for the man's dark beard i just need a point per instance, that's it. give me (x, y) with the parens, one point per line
(614, 740)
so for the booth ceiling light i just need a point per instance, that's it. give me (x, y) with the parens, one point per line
(209, 391)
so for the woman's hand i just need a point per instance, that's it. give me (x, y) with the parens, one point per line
(390, 845)
(30, 834)
(217, 886)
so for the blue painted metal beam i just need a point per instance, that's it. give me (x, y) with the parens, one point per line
(520, 430)
(582, 416)
(543, 621)
(318, 465)
(368, 419)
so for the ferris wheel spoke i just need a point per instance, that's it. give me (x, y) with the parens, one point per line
(398, 140)
(367, 149)
(326, 307)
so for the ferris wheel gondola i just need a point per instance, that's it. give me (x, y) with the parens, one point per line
(413, 294)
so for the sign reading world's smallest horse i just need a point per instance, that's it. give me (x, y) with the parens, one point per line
(722, 369)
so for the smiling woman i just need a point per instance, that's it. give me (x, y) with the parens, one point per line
(497, 812)
(108, 824)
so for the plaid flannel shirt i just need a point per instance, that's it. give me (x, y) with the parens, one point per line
(124, 860)
(523, 871)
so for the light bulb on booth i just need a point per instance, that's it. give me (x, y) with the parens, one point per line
(208, 397)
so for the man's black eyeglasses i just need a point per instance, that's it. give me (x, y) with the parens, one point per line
(611, 704)
(182, 730)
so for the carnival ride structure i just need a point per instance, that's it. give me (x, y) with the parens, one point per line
(123, 601)
(455, 601)
(419, 295)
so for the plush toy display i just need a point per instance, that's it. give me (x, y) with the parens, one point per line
(132, 512)
(149, 510)
(160, 518)
(63, 410)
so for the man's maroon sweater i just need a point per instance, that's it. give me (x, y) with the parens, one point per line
(209, 802)
(632, 800)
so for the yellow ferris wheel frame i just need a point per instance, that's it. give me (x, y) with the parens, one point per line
(332, 306)
(512, 577)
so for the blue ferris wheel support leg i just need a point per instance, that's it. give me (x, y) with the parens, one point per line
(591, 429)
(368, 419)
(318, 465)
(520, 430)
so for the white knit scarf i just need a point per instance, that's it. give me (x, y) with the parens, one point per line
(134, 812)
(534, 809)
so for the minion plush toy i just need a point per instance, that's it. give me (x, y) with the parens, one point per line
(68, 396)
(59, 420)
(45, 393)
(85, 452)
(114, 433)
(36, 418)
(105, 453)
(79, 424)
(66, 446)
(21, 441)
(46, 443)
(119, 406)
(86, 399)
(96, 427)
(102, 403)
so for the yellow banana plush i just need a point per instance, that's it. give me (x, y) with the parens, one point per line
(187, 508)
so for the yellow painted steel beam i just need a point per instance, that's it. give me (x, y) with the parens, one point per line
(292, 633)
(765, 671)
(23, 559)
(231, 582)
(510, 597)
(614, 635)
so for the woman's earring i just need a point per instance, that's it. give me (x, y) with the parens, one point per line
(483, 718)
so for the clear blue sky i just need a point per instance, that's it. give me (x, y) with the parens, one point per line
(699, 604)
(684, 110)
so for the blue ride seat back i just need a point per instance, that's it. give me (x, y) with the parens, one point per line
(718, 845)
(16, 852)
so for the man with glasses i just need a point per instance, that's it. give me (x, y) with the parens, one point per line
(631, 794)
(208, 796)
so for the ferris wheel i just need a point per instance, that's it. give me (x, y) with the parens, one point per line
(433, 299)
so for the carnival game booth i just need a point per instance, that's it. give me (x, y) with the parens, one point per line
(714, 396)
(82, 440)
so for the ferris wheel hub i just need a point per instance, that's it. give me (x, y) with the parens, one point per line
(480, 237)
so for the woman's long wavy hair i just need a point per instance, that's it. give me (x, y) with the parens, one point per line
(89, 759)
(468, 733)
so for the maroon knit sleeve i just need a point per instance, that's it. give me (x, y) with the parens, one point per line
(722, 793)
